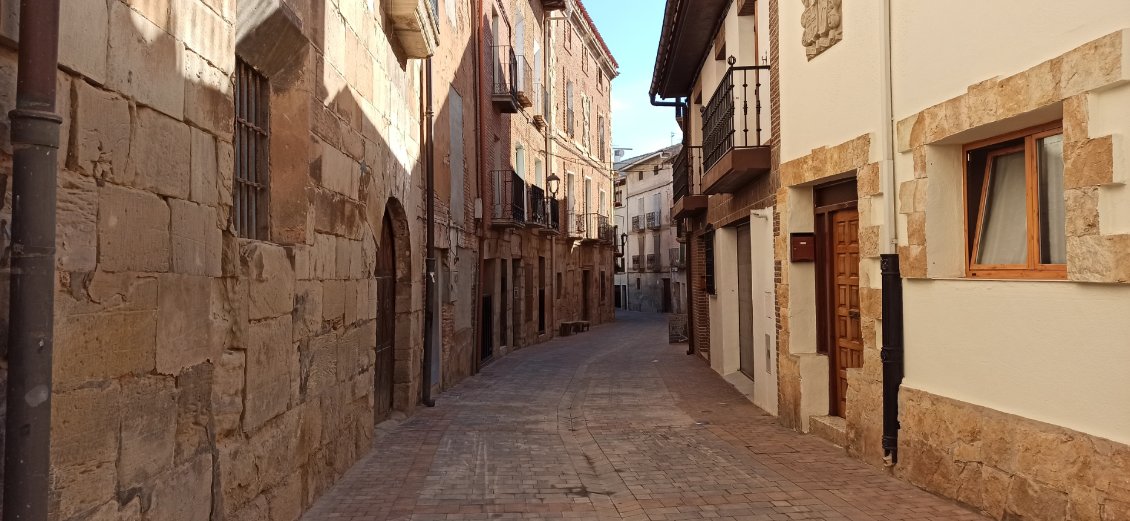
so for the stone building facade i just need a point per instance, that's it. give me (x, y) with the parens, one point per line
(241, 242)
(653, 279)
(969, 353)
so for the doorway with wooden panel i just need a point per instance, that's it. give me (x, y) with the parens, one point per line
(385, 275)
(837, 282)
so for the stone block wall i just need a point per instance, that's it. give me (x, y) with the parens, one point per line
(1093, 164)
(1009, 466)
(199, 375)
(864, 394)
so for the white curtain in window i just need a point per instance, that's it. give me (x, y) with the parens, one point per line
(1004, 224)
(1053, 219)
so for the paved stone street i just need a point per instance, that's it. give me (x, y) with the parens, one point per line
(612, 424)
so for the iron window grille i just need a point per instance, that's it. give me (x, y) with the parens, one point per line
(252, 143)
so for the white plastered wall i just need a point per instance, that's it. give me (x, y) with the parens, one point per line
(1056, 352)
(1002, 38)
(1053, 351)
(837, 96)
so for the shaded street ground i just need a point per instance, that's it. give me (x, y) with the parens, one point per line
(614, 423)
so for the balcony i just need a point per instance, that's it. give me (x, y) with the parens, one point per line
(652, 262)
(524, 82)
(504, 87)
(687, 192)
(574, 223)
(552, 217)
(508, 192)
(637, 223)
(635, 262)
(598, 229)
(732, 147)
(654, 221)
(416, 26)
(538, 211)
(677, 261)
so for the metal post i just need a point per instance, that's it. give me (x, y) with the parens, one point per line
(430, 259)
(35, 145)
(891, 352)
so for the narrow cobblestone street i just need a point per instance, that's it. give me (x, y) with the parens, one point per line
(612, 424)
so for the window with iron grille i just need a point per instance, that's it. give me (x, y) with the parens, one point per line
(252, 140)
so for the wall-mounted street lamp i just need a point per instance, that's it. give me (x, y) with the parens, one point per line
(553, 183)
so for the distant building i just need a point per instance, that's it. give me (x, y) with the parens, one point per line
(653, 277)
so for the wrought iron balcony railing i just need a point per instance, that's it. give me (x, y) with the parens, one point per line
(637, 223)
(686, 172)
(508, 192)
(504, 88)
(654, 221)
(524, 81)
(635, 262)
(537, 213)
(732, 118)
(677, 258)
(652, 262)
(553, 215)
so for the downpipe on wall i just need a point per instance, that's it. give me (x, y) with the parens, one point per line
(892, 349)
(680, 112)
(430, 259)
(35, 146)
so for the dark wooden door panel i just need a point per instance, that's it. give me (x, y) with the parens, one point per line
(386, 322)
(848, 340)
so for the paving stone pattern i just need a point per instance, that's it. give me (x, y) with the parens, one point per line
(612, 424)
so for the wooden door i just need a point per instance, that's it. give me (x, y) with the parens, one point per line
(666, 295)
(586, 280)
(745, 300)
(386, 321)
(847, 339)
(503, 304)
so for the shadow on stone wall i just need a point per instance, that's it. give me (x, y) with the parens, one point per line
(198, 374)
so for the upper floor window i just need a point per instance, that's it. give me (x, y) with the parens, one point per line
(252, 142)
(569, 108)
(1014, 200)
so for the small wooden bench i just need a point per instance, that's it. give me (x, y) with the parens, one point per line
(573, 327)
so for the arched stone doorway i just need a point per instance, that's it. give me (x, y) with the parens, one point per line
(394, 338)
(386, 321)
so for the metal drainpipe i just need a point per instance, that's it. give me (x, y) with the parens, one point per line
(547, 100)
(476, 35)
(681, 110)
(430, 260)
(892, 350)
(35, 145)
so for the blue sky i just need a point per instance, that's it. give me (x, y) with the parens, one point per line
(631, 30)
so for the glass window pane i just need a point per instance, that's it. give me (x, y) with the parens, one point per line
(1004, 225)
(1053, 219)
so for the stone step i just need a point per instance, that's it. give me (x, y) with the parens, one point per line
(831, 428)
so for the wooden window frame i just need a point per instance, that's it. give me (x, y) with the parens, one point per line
(1033, 269)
